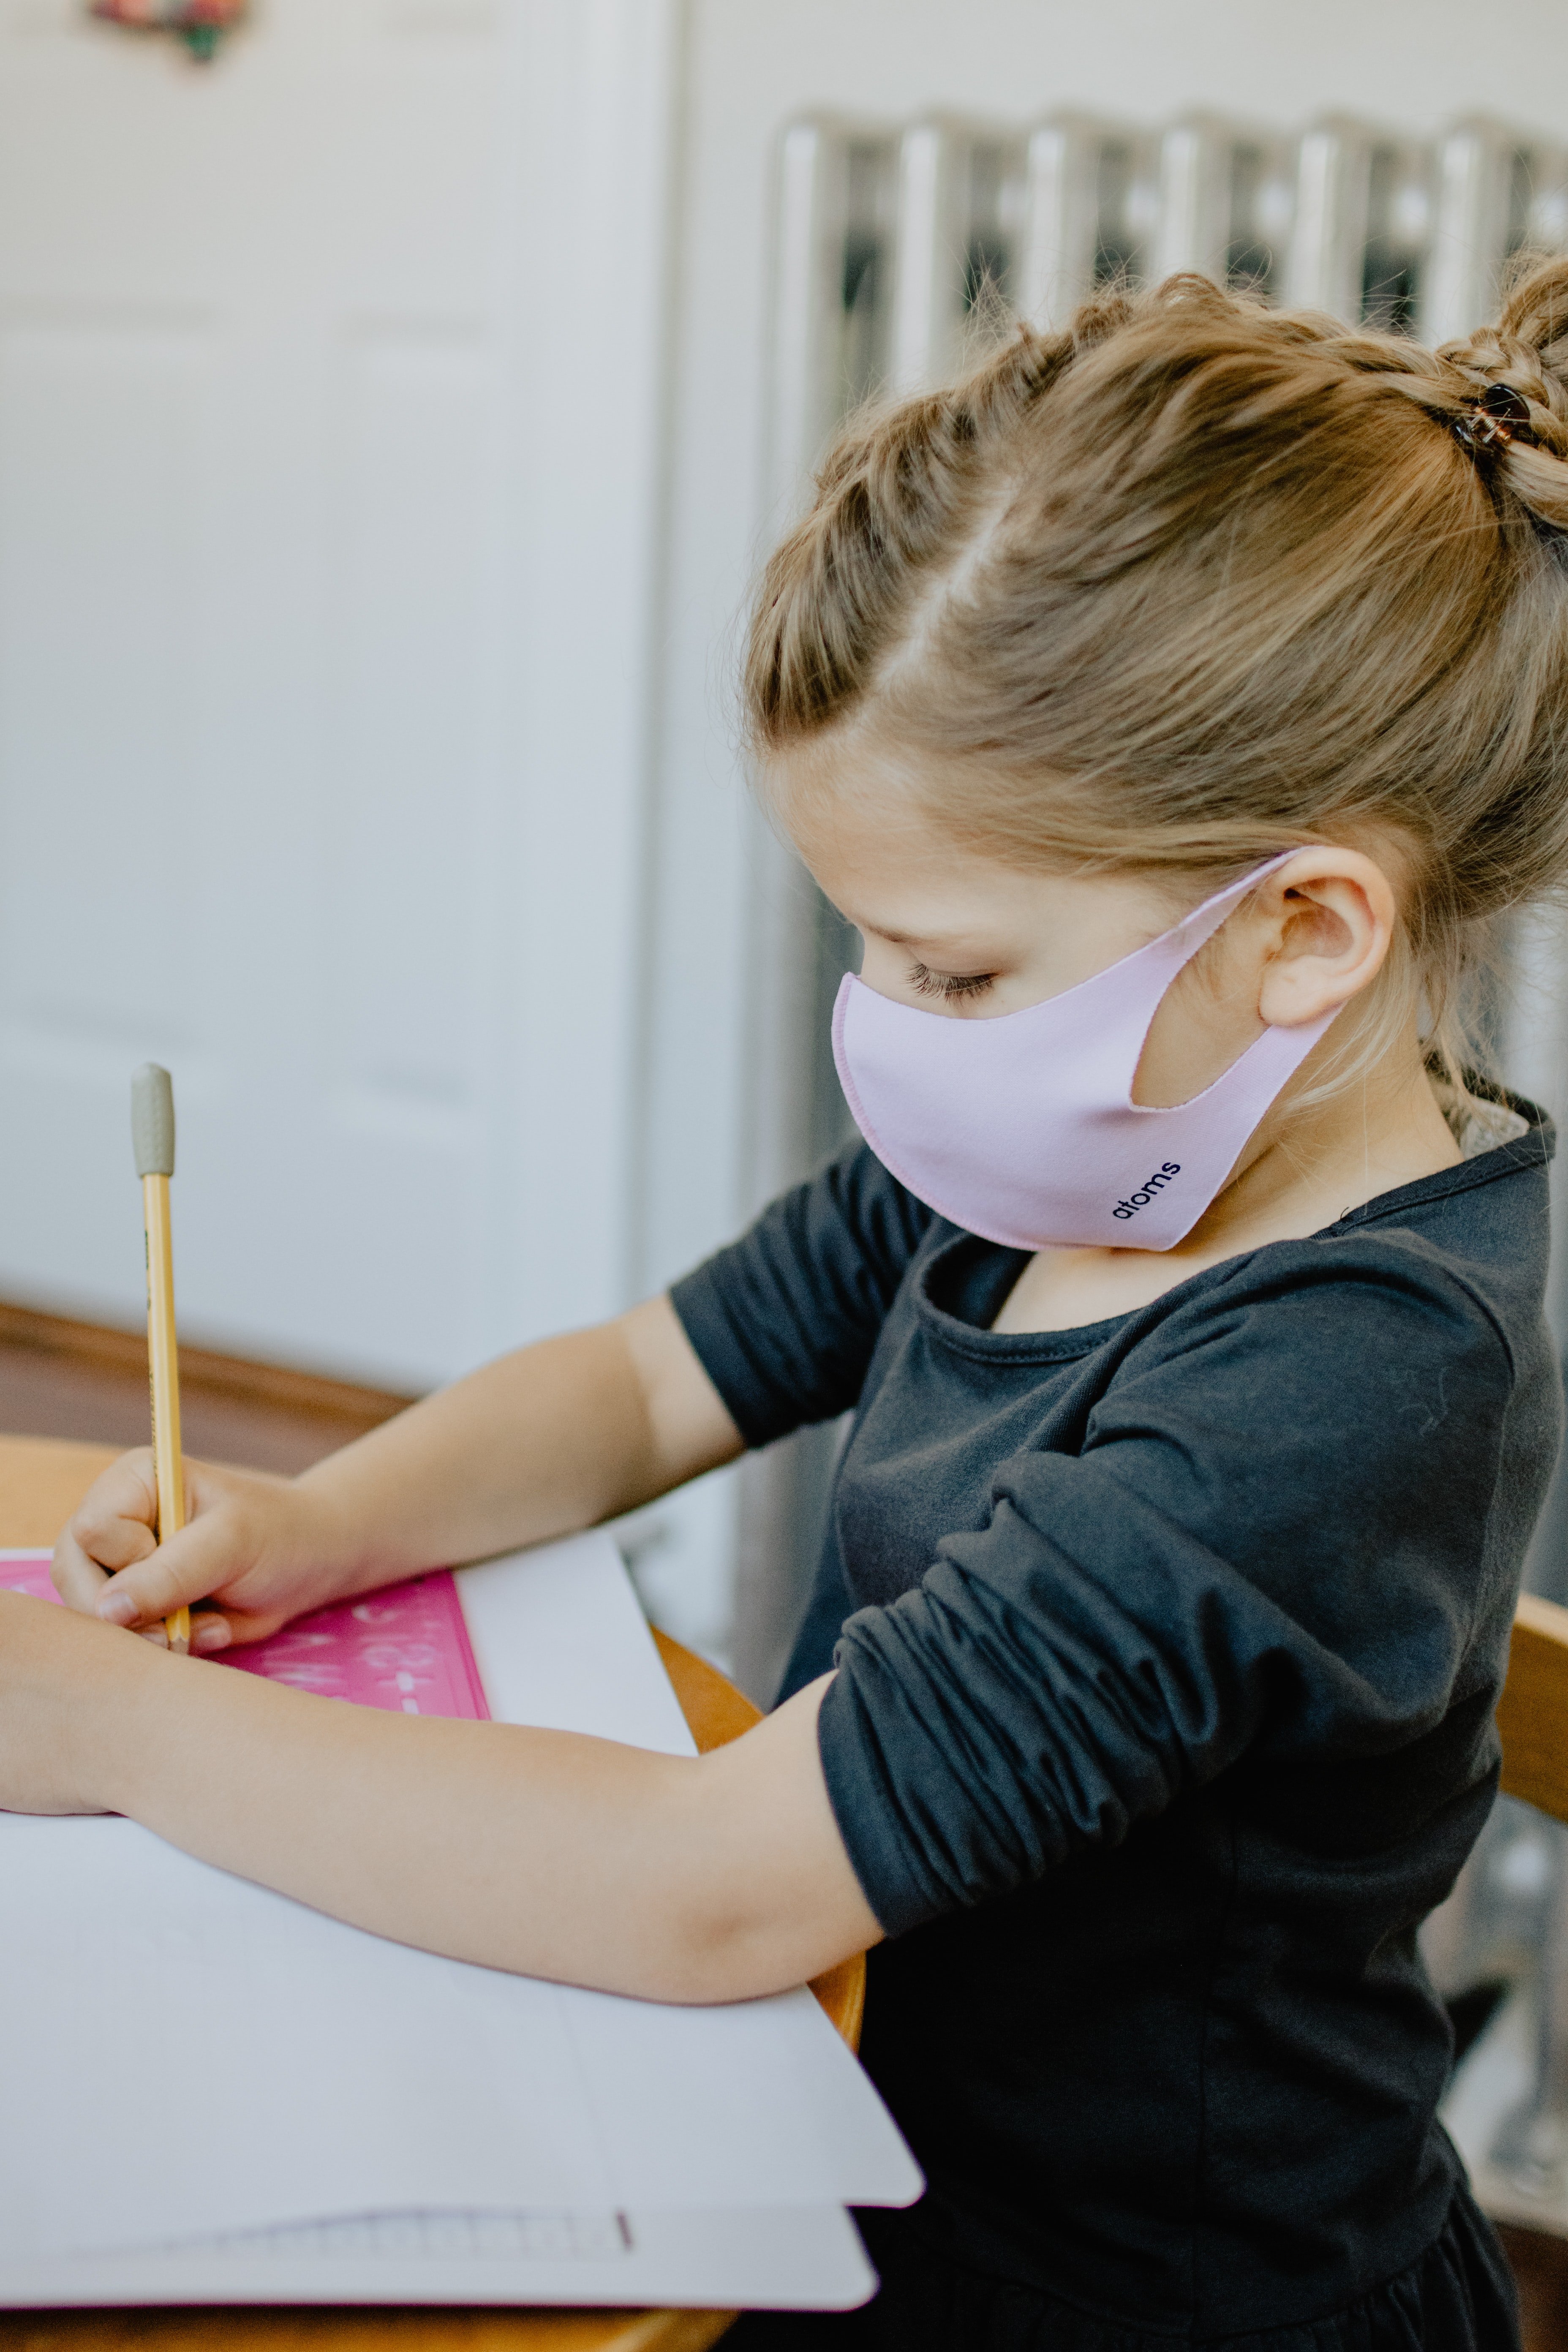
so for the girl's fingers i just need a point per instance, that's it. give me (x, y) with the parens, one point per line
(77, 1580)
(199, 1559)
(234, 1516)
(112, 1524)
(111, 1529)
(114, 1543)
(214, 1629)
(126, 1493)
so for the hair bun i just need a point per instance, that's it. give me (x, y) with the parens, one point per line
(1527, 349)
(1534, 317)
(1497, 419)
(1515, 392)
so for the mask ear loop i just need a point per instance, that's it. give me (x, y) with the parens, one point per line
(1217, 912)
(1223, 904)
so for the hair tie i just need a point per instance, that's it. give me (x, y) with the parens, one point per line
(1501, 414)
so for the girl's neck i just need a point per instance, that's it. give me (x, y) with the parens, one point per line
(1301, 1172)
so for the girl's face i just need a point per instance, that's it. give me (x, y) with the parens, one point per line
(969, 937)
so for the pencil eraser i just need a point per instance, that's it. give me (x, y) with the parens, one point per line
(153, 1120)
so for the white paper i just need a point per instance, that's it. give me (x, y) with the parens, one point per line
(369, 2077)
(802, 2257)
(363, 2073)
(561, 1644)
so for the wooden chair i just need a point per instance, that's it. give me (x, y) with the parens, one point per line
(41, 1481)
(1533, 1721)
(1533, 1716)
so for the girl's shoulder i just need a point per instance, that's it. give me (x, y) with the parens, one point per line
(1461, 1252)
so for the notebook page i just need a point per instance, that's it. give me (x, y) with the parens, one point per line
(561, 1642)
(375, 2078)
(799, 2257)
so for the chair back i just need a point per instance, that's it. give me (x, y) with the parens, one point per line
(1533, 1714)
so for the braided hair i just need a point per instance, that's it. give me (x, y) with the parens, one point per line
(1194, 581)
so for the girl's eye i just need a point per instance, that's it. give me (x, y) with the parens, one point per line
(948, 985)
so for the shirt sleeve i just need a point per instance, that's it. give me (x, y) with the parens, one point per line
(786, 1320)
(1271, 1541)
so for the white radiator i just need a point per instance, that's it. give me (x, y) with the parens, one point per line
(885, 235)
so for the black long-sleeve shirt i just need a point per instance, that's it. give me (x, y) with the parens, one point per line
(1167, 1654)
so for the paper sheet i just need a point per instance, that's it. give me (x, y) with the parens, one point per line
(561, 1643)
(369, 2077)
(802, 2257)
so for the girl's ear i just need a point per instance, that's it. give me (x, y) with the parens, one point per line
(1327, 919)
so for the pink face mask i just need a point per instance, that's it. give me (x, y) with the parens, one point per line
(1022, 1129)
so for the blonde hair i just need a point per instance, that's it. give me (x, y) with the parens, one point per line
(1194, 582)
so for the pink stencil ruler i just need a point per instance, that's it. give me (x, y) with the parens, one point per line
(406, 1649)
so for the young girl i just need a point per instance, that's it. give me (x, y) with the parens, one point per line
(1170, 706)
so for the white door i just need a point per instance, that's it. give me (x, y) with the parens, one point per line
(325, 501)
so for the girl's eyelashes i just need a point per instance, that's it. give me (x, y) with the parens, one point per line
(948, 985)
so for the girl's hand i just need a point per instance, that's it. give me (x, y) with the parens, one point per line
(259, 1548)
(64, 1684)
(557, 1436)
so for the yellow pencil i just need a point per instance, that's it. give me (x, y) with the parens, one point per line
(153, 1135)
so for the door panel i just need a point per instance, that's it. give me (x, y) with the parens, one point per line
(280, 803)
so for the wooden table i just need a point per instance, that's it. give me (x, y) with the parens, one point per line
(41, 1481)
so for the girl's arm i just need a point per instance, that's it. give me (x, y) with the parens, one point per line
(552, 1438)
(676, 1878)
(712, 1878)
